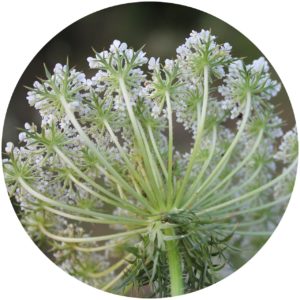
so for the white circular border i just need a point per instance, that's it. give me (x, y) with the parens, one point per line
(25, 272)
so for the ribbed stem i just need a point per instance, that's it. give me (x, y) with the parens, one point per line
(174, 261)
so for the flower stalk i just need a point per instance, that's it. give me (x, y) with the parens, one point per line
(174, 261)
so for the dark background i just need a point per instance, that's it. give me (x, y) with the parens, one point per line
(161, 27)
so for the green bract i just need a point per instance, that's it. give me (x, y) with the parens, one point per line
(106, 157)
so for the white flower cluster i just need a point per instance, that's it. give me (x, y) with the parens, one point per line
(45, 95)
(201, 49)
(244, 79)
(119, 62)
(288, 149)
(107, 156)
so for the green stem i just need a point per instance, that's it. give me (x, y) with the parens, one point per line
(116, 279)
(251, 193)
(255, 209)
(112, 268)
(141, 144)
(238, 188)
(238, 167)
(200, 129)
(99, 216)
(174, 261)
(92, 146)
(90, 239)
(73, 167)
(245, 224)
(120, 148)
(203, 169)
(250, 233)
(147, 188)
(86, 219)
(158, 156)
(101, 248)
(120, 203)
(115, 201)
(154, 168)
(228, 153)
(170, 150)
(124, 155)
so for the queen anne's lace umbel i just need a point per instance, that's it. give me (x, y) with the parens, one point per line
(106, 155)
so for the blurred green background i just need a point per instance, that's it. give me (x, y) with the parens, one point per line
(161, 27)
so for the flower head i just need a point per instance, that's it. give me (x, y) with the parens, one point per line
(200, 50)
(106, 156)
(253, 79)
(288, 149)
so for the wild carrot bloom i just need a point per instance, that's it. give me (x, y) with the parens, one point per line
(106, 155)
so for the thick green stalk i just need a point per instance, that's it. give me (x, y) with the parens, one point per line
(174, 261)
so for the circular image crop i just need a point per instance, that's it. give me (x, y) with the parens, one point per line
(150, 150)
